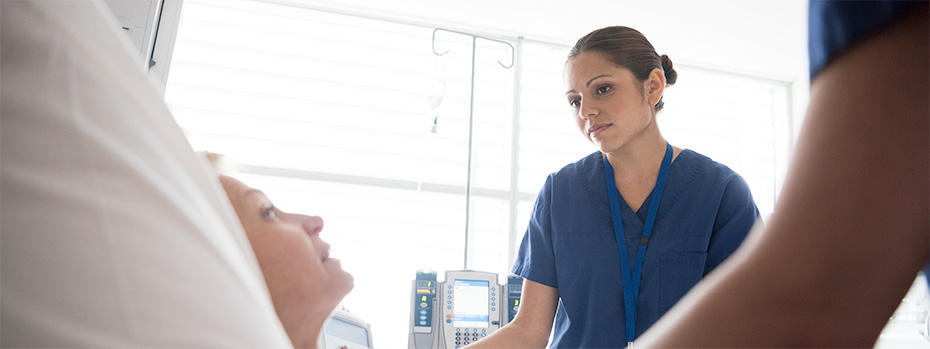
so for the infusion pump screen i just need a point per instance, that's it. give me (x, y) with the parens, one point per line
(470, 303)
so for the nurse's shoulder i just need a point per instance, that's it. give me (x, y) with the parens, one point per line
(583, 167)
(699, 167)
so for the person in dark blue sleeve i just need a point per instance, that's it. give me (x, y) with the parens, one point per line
(851, 228)
(676, 214)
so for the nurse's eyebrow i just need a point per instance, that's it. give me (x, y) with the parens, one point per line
(595, 78)
(588, 84)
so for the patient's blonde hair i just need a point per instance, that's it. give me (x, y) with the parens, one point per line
(219, 162)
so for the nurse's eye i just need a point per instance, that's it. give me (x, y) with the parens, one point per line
(603, 89)
(575, 103)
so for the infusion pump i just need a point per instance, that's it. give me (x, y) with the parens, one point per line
(468, 306)
(343, 330)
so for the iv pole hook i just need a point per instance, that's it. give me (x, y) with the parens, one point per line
(505, 66)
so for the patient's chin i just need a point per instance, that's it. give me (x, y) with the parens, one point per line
(345, 282)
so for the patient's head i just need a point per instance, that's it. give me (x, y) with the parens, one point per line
(305, 284)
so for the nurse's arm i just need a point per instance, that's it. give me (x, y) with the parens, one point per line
(850, 230)
(531, 327)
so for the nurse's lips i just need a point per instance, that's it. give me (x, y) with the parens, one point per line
(595, 130)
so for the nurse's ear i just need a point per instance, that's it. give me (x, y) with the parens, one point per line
(654, 86)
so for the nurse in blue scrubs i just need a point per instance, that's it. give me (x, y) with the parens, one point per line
(616, 238)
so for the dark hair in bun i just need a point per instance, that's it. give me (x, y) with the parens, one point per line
(626, 47)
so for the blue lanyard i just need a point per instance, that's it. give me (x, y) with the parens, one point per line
(631, 282)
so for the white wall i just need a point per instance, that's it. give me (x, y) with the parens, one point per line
(767, 36)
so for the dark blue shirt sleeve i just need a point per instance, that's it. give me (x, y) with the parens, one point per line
(735, 217)
(535, 259)
(834, 26)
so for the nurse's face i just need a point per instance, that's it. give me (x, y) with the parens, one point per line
(608, 102)
(305, 284)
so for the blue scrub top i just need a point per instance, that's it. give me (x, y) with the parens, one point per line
(835, 26)
(705, 212)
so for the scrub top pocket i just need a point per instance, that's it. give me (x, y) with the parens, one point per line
(679, 272)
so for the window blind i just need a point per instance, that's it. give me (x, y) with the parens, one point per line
(329, 114)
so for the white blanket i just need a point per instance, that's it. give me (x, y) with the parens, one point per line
(114, 233)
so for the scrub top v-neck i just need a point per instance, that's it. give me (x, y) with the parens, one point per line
(705, 212)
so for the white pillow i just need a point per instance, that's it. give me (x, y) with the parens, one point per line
(114, 233)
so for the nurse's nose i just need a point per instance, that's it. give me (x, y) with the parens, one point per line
(587, 110)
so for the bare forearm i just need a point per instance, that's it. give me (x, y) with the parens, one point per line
(512, 336)
(531, 327)
(850, 230)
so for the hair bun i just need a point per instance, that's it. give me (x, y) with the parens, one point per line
(670, 74)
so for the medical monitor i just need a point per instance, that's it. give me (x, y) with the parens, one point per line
(471, 303)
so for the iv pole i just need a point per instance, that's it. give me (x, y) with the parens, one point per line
(471, 115)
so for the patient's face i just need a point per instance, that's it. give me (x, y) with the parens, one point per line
(301, 277)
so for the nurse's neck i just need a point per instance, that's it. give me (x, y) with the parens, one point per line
(636, 168)
(639, 161)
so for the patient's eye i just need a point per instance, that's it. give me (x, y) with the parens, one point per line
(269, 213)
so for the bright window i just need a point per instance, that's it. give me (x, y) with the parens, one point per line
(328, 113)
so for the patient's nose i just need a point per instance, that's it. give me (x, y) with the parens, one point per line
(312, 224)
